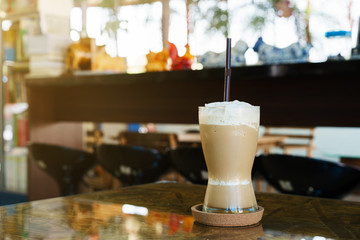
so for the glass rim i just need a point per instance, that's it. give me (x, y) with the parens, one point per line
(220, 107)
(211, 107)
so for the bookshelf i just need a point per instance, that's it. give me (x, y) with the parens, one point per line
(16, 27)
(23, 23)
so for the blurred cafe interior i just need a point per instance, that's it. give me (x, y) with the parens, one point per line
(82, 76)
(84, 47)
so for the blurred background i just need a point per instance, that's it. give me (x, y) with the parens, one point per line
(55, 38)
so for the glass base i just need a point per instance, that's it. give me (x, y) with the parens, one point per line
(229, 210)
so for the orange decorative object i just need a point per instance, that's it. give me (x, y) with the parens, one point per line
(183, 62)
(78, 55)
(157, 61)
(173, 52)
(160, 61)
(103, 62)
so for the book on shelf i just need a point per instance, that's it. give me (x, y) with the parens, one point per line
(14, 84)
(15, 125)
(16, 170)
(55, 44)
(50, 57)
(20, 130)
(47, 54)
(48, 68)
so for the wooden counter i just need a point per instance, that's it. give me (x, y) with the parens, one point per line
(162, 211)
(307, 94)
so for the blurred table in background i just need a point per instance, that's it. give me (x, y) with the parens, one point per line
(353, 161)
(265, 143)
(350, 160)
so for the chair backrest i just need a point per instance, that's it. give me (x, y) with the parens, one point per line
(307, 176)
(66, 165)
(93, 138)
(294, 138)
(159, 141)
(190, 138)
(190, 162)
(132, 164)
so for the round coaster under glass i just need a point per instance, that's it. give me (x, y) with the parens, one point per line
(227, 219)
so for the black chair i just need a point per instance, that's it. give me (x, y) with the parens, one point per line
(66, 165)
(190, 162)
(308, 176)
(132, 165)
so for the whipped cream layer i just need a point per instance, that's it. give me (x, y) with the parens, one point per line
(230, 113)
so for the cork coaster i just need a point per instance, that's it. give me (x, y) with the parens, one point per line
(225, 219)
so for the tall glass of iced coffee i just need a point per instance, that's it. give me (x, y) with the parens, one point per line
(229, 134)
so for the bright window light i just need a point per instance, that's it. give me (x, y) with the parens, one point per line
(74, 35)
(6, 25)
(75, 19)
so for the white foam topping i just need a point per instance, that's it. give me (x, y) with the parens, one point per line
(230, 113)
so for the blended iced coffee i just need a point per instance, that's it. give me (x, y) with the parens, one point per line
(229, 134)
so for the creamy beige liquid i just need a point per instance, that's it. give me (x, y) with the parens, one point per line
(229, 152)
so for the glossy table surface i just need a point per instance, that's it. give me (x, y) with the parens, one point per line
(162, 211)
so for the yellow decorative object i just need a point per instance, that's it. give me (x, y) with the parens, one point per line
(78, 55)
(103, 62)
(157, 61)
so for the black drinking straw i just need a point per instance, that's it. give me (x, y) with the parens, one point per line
(227, 71)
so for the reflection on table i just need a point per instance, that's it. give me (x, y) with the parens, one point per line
(162, 211)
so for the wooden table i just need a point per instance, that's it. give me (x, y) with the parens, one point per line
(347, 159)
(353, 161)
(162, 211)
